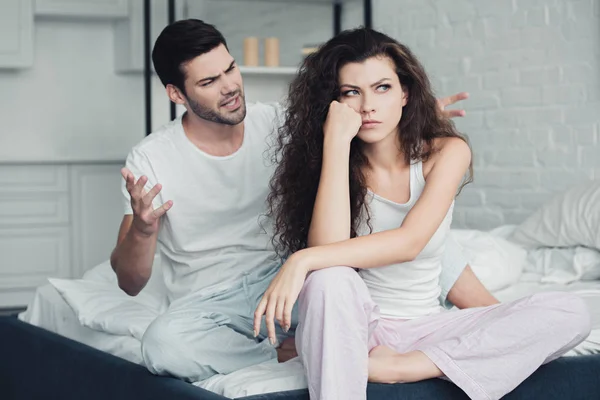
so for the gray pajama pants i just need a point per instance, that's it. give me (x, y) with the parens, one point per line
(200, 336)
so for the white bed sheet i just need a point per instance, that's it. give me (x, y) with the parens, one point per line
(49, 310)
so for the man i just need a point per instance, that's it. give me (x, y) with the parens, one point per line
(208, 219)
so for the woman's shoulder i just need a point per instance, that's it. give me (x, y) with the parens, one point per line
(447, 147)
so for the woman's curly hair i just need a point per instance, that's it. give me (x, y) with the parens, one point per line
(299, 146)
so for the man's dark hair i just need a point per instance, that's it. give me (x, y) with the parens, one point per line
(179, 43)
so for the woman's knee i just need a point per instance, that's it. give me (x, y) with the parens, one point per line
(332, 280)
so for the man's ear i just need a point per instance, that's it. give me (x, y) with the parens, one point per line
(175, 95)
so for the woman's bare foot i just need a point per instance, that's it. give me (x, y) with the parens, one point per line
(389, 366)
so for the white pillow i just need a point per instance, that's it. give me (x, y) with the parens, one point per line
(100, 304)
(497, 262)
(156, 284)
(569, 219)
(104, 307)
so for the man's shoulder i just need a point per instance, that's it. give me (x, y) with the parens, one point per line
(159, 140)
(266, 113)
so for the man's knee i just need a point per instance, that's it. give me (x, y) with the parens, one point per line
(166, 351)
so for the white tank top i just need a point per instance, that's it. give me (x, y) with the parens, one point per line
(411, 289)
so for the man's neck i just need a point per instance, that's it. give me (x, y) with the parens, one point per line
(216, 139)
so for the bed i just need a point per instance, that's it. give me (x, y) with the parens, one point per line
(89, 326)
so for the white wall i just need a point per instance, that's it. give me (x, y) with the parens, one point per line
(532, 68)
(71, 105)
(70, 116)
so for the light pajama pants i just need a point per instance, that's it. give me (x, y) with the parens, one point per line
(486, 351)
(201, 334)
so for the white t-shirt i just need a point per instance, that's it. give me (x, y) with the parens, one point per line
(216, 232)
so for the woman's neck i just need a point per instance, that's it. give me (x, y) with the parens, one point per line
(385, 154)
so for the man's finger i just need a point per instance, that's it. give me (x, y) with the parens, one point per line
(160, 211)
(139, 187)
(128, 177)
(149, 197)
(446, 101)
(125, 172)
(454, 113)
(129, 182)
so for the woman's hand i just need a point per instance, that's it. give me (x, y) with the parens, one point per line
(280, 296)
(342, 122)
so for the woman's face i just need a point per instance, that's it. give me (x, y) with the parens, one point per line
(373, 90)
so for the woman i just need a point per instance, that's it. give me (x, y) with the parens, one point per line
(367, 181)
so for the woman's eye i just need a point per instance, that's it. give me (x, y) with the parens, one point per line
(383, 88)
(350, 93)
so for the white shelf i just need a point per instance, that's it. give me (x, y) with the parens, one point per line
(286, 71)
(322, 2)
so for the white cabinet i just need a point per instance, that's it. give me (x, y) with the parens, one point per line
(82, 8)
(16, 42)
(34, 229)
(55, 221)
(97, 211)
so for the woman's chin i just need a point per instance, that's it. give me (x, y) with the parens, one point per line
(371, 136)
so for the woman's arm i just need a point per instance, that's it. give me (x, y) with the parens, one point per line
(468, 291)
(406, 242)
(330, 221)
(375, 250)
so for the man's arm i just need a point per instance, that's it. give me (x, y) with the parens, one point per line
(132, 257)
(468, 291)
(136, 245)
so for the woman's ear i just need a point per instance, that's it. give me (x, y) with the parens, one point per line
(404, 95)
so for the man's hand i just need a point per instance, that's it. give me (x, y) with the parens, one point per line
(448, 101)
(145, 217)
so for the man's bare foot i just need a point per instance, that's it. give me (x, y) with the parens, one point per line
(287, 350)
(389, 366)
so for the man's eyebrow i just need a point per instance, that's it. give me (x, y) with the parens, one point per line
(212, 78)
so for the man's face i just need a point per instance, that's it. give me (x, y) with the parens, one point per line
(214, 88)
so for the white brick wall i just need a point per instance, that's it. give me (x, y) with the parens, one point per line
(532, 68)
